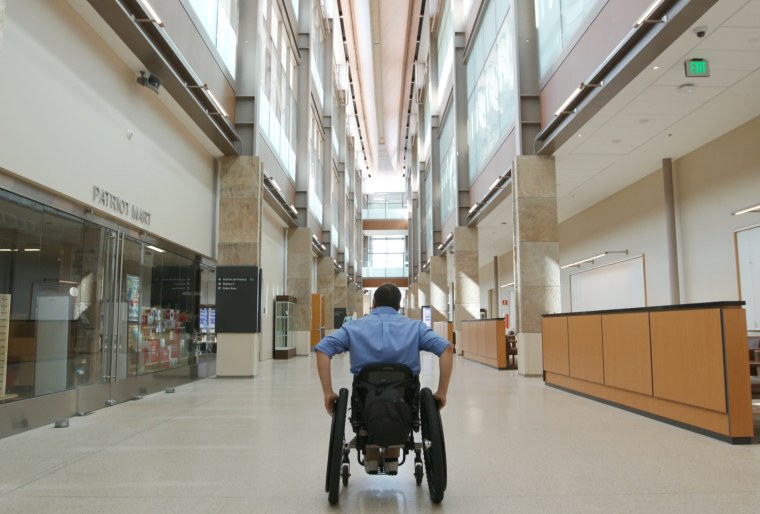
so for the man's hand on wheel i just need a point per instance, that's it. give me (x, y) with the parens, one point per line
(330, 400)
(440, 399)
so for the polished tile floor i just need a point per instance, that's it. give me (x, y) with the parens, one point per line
(258, 446)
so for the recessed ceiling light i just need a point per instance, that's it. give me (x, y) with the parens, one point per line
(655, 67)
(644, 120)
(579, 135)
(616, 141)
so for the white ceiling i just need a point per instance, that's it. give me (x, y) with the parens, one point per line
(653, 118)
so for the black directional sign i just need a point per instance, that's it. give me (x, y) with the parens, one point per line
(238, 299)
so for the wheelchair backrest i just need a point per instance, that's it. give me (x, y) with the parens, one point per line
(395, 376)
(381, 374)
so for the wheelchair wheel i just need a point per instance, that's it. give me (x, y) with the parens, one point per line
(433, 446)
(337, 431)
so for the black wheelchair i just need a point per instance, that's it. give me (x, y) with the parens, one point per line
(378, 454)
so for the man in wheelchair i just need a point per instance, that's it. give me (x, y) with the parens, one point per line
(385, 361)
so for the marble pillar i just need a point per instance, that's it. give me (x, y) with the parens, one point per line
(351, 298)
(340, 296)
(359, 305)
(466, 276)
(536, 254)
(240, 214)
(439, 289)
(423, 289)
(326, 287)
(414, 308)
(299, 285)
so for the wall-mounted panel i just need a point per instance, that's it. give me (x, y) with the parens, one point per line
(687, 358)
(585, 348)
(555, 346)
(627, 353)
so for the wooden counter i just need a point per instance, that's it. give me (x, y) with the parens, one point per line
(685, 364)
(484, 341)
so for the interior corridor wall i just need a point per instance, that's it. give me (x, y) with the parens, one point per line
(273, 260)
(632, 219)
(73, 117)
(506, 276)
(711, 182)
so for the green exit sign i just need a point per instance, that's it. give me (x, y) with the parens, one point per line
(697, 68)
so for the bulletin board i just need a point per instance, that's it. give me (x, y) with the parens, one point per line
(748, 260)
(620, 285)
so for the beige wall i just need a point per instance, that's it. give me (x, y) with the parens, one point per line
(76, 118)
(632, 219)
(715, 180)
(711, 182)
(273, 276)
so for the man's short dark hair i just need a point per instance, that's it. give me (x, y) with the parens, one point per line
(388, 295)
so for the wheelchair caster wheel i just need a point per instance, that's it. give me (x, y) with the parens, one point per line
(418, 473)
(345, 473)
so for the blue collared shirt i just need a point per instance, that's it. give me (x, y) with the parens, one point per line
(383, 336)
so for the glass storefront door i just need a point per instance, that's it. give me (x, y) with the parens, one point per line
(93, 312)
(108, 374)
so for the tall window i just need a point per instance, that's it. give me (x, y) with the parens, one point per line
(429, 213)
(220, 21)
(316, 174)
(277, 115)
(386, 257)
(490, 85)
(448, 167)
(334, 196)
(317, 50)
(445, 44)
(559, 22)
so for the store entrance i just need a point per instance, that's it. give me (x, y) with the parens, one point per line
(111, 362)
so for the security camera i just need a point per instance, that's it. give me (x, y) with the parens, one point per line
(700, 31)
(150, 81)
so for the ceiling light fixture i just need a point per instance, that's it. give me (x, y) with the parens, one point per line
(508, 285)
(446, 242)
(156, 249)
(592, 259)
(152, 16)
(564, 108)
(644, 18)
(218, 106)
(754, 208)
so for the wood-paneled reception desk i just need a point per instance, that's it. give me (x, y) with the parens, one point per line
(685, 364)
(484, 341)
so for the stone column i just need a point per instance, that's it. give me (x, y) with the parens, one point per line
(414, 308)
(439, 289)
(299, 285)
(536, 254)
(326, 287)
(240, 214)
(351, 298)
(466, 276)
(423, 289)
(340, 297)
(360, 303)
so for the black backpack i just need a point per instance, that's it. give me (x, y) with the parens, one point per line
(387, 417)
